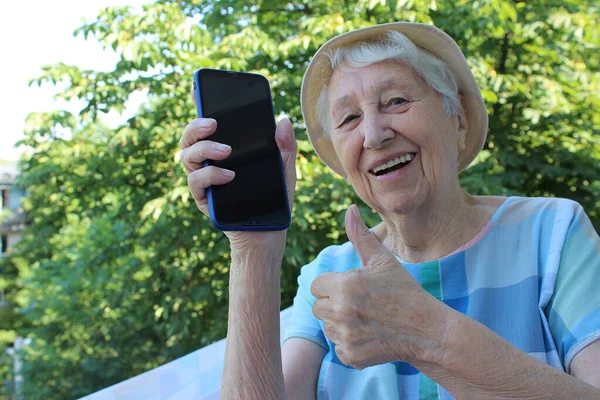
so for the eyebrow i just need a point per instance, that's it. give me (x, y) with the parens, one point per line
(343, 101)
(388, 83)
(391, 83)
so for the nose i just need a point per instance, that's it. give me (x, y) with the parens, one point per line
(377, 130)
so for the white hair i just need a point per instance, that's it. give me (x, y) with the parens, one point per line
(393, 46)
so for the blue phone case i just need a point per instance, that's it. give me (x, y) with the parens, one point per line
(211, 210)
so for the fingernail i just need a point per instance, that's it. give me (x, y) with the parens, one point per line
(206, 123)
(223, 148)
(228, 173)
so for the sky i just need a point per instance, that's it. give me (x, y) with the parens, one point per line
(36, 33)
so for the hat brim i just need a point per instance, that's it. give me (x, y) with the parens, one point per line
(427, 37)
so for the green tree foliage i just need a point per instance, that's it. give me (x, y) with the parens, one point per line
(120, 273)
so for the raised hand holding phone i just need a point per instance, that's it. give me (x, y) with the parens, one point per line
(197, 146)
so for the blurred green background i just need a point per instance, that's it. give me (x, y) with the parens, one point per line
(119, 273)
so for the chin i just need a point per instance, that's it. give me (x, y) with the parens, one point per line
(400, 205)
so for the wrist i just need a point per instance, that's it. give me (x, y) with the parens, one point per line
(254, 280)
(449, 344)
(462, 352)
(443, 326)
(432, 345)
(246, 246)
(256, 265)
(265, 256)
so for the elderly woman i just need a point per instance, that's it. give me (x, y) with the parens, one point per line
(451, 295)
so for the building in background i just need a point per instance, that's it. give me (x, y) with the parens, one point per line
(12, 216)
(12, 223)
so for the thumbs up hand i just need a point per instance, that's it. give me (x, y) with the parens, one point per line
(378, 313)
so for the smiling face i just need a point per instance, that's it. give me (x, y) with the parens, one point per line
(395, 142)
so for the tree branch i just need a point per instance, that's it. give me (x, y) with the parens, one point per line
(502, 64)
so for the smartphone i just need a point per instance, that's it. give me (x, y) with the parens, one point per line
(256, 199)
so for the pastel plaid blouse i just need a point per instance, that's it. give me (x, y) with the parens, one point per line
(533, 278)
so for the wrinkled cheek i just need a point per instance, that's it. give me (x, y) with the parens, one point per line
(349, 163)
(429, 170)
(361, 185)
(348, 147)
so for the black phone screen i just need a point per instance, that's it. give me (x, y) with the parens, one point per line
(241, 104)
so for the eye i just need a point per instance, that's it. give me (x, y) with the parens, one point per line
(348, 119)
(396, 101)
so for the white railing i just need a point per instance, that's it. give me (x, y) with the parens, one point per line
(196, 376)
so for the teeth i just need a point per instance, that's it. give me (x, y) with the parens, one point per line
(402, 159)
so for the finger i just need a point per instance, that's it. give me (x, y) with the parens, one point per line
(332, 333)
(193, 157)
(323, 309)
(340, 353)
(324, 284)
(365, 243)
(349, 357)
(286, 141)
(200, 180)
(196, 130)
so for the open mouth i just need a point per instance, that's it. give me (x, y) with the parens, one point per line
(393, 165)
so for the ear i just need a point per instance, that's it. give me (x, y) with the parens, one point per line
(462, 124)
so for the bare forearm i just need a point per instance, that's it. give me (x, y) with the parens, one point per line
(477, 363)
(252, 367)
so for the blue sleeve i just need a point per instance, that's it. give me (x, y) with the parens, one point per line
(302, 323)
(574, 312)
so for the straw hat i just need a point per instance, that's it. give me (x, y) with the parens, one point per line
(427, 37)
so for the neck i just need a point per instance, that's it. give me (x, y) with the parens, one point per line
(434, 229)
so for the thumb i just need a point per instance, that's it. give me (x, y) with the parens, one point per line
(366, 244)
(285, 138)
(286, 141)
